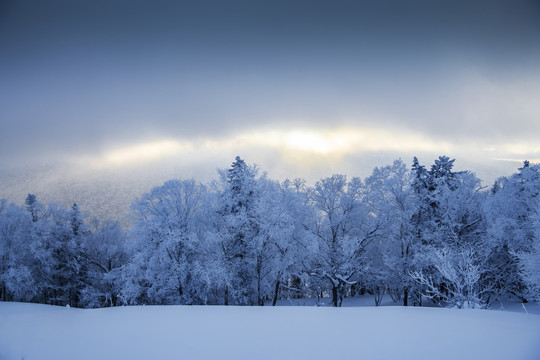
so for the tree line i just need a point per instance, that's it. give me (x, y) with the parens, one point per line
(413, 233)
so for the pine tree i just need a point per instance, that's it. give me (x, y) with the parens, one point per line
(242, 226)
(452, 260)
(511, 212)
(75, 219)
(32, 206)
(17, 282)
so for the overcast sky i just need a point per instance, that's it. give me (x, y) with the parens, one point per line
(302, 88)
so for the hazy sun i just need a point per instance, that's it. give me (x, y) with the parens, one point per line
(309, 141)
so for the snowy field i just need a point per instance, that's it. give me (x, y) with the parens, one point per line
(30, 331)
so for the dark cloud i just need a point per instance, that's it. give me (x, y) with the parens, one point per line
(80, 75)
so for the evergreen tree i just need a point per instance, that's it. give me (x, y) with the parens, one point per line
(17, 282)
(452, 263)
(511, 211)
(32, 206)
(75, 219)
(242, 225)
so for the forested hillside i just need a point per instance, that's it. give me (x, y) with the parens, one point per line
(244, 239)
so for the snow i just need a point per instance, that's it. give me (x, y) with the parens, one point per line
(30, 331)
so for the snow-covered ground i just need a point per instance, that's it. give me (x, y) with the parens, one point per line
(30, 331)
(512, 304)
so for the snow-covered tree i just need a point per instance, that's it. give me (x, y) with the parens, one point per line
(16, 280)
(452, 264)
(530, 261)
(260, 227)
(33, 207)
(512, 212)
(102, 254)
(242, 243)
(393, 254)
(246, 239)
(76, 220)
(283, 239)
(345, 225)
(63, 268)
(43, 253)
(165, 266)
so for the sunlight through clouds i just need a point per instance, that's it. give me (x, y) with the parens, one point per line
(348, 140)
(305, 149)
(297, 145)
(142, 153)
(310, 141)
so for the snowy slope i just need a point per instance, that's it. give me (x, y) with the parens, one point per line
(29, 332)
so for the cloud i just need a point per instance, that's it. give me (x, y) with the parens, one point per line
(307, 152)
(81, 77)
(295, 144)
(142, 153)
(499, 108)
(303, 88)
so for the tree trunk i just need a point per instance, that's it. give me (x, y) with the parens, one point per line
(405, 297)
(260, 300)
(276, 293)
(335, 296)
(226, 299)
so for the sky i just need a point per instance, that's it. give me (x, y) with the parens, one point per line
(105, 99)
